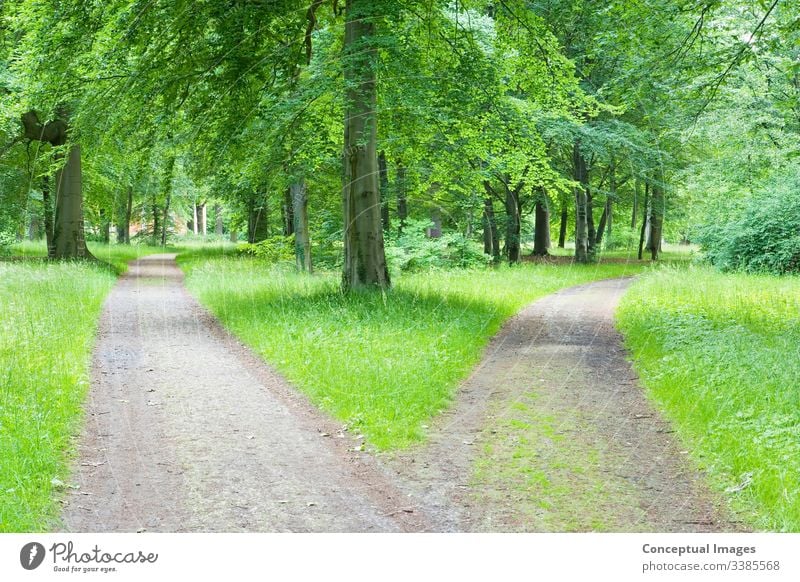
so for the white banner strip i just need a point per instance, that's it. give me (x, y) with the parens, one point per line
(349, 557)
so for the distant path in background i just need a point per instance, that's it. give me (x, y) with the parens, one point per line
(186, 430)
(552, 432)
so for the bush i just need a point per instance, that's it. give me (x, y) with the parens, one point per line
(412, 250)
(274, 249)
(765, 237)
(622, 239)
(6, 240)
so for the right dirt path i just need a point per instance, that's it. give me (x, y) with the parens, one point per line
(552, 432)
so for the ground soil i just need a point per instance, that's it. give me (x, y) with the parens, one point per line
(187, 430)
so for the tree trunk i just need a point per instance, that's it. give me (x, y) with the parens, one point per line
(645, 220)
(218, 219)
(33, 228)
(635, 210)
(105, 227)
(204, 220)
(562, 230)
(582, 208)
(257, 218)
(194, 218)
(402, 202)
(513, 225)
(591, 233)
(302, 240)
(656, 218)
(288, 214)
(167, 187)
(47, 211)
(384, 183)
(69, 240)
(364, 258)
(541, 239)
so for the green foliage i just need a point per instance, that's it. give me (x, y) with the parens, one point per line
(48, 314)
(717, 352)
(384, 364)
(412, 250)
(274, 249)
(765, 237)
(6, 242)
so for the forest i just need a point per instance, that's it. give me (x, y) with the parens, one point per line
(391, 205)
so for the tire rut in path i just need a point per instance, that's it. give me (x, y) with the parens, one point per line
(187, 430)
(592, 442)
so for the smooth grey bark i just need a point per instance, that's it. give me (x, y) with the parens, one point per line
(302, 239)
(288, 213)
(69, 240)
(218, 226)
(364, 257)
(581, 206)
(402, 202)
(257, 218)
(562, 230)
(384, 184)
(656, 218)
(124, 207)
(541, 238)
(167, 188)
(645, 221)
(47, 215)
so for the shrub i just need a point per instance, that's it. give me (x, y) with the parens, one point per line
(6, 240)
(274, 249)
(412, 250)
(764, 238)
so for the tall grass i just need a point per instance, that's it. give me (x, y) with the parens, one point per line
(48, 315)
(720, 353)
(382, 363)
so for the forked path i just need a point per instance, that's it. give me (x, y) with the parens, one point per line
(552, 432)
(187, 431)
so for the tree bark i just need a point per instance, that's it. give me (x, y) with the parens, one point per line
(541, 238)
(302, 240)
(105, 227)
(364, 258)
(656, 218)
(635, 210)
(288, 214)
(194, 218)
(402, 202)
(167, 187)
(582, 208)
(513, 224)
(218, 219)
(47, 212)
(645, 220)
(562, 230)
(384, 184)
(69, 240)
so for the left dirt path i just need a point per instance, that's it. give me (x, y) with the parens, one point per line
(186, 430)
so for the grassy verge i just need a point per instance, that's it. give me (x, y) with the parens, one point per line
(719, 354)
(384, 364)
(116, 256)
(48, 314)
(48, 317)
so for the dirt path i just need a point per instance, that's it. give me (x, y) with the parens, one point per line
(187, 431)
(553, 433)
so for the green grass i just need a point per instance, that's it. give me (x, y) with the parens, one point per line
(383, 363)
(116, 256)
(48, 315)
(720, 354)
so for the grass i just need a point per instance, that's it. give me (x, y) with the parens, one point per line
(116, 256)
(719, 354)
(385, 364)
(48, 315)
(48, 319)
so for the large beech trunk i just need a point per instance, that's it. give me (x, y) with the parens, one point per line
(364, 258)
(69, 241)
(384, 185)
(302, 240)
(513, 225)
(582, 208)
(541, 238)
(656, 219)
